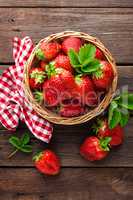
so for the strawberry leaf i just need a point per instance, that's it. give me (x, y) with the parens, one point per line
(25, 139)
(126, 101)
(116, 117)
(26, 148)
(124, 119)
(14, 141)
(112, 107)
(86, 52)
(93, 66)
(73, 56)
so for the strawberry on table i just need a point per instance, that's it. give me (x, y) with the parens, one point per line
(103, 77)
(71, 43)
(86, 90)
(48, 51)
(103, 131)
(36, 78)
(117, 136)
(62, 61)
(94, 149)
(47, 162)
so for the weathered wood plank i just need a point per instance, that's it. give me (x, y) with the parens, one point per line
(113, 26)
(68, 3)
(66, 142)
(92, 184)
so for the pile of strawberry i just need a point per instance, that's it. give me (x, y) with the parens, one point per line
(69, 77)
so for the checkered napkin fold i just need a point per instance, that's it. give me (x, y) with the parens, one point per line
(13, 103)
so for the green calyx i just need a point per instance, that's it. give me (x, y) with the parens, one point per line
(98, 74)
(84, 62)
(40, 54)
(39, 76)
(38, 96)
(37, 157)
(104, 143)
(50, 69)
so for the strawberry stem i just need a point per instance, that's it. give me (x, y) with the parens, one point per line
(13, 153)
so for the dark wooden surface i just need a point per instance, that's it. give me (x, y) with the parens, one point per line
(112, 178)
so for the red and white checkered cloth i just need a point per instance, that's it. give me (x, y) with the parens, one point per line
(13, 103)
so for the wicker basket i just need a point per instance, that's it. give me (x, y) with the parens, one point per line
(53, 117)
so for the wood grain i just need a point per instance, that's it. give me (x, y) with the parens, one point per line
(79, 184)
(113, 26)
(66, 3)
(66, 142)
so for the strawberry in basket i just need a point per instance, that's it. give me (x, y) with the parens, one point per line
(70, 70)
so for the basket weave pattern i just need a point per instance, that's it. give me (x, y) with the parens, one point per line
(53, 117)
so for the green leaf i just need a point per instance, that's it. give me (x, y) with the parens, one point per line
(126, 101)
(73, 56)
(91, 67)
(86, 52)
(26, 148)
(112, 107)
(25, 139)
(116, 117)
(1, 71)
(14, 141)
(124, 119)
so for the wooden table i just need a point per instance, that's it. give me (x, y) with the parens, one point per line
(110, 179)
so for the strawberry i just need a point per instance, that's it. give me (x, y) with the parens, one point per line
(117, 136)
(47, 162)
(94, 149)
(58, 86)
(99, 54)
(43, 65)
(103, 130)
(62, 61)
(86, 90)
(71, 43)
(71, 110)
(36, 78)
(103, 77)
(48, 51)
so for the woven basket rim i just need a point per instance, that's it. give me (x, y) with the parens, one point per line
(52, 117)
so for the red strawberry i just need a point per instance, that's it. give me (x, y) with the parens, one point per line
(103, 128)
(94, 149)
(52, 90)
(47, 162)
(117, 136)
(99, 54)
(48, 51)
(62, 61)
(58, 86)
(36, 78)
(43, 65)
(86, 90)
(71, 110)
(71, 43)
(103, 78)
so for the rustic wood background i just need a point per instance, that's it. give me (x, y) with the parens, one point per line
(112, 178)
